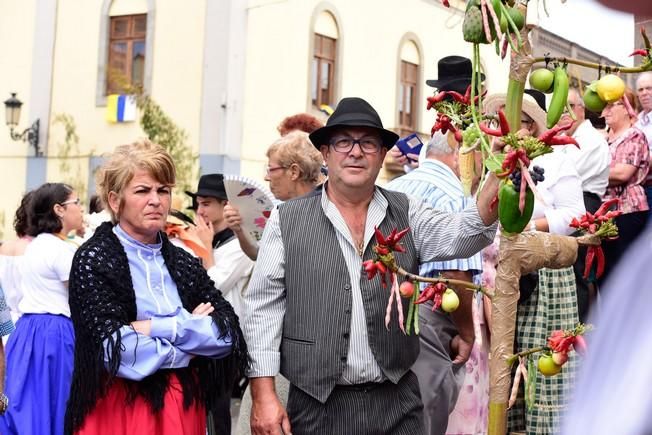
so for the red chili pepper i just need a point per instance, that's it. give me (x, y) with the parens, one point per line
(436, 300)
(467, 94)
(580, 345)
(458, 136)
(562, 140)
(574, 223)
(399, 248)
(606, 206)
(445, 3)
(599, 254)
(380, 239)
(437, 98)
(458, 97)
(381, 250)
(590, 256)
(639, 52)
(504, 125)
(389, 240)
(401, 234)
(548, 134)
(381, 267)
(490, 131)
(370, 268)
(426, 294)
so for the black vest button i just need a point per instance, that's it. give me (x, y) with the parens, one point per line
(343, 359)
(345, 335)
(347, 287)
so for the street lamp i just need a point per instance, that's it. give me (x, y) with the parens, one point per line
(12, 114)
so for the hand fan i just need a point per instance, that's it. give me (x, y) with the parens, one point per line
(254, 201)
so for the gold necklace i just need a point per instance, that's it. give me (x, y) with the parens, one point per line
(360, 248)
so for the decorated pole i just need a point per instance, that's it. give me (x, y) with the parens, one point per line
(493, 21)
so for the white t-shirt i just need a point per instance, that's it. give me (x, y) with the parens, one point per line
(561, 191)
(591, 159)
(46, 267)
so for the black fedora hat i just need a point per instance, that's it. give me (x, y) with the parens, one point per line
(453, 74)
(353, 112)
(210, 185)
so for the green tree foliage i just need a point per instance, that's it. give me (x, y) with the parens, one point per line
(69, 155)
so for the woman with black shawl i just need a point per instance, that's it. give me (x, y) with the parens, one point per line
(156, 343)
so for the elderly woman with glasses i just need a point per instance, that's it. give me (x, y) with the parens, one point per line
(628, 170)
(40, 350)
(293, 169)
(156, 343)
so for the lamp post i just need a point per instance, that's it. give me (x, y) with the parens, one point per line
(12, 116)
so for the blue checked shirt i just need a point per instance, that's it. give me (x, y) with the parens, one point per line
(435, 184)
(6, 324)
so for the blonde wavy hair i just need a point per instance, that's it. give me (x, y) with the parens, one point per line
(296, 148)
(121, 166)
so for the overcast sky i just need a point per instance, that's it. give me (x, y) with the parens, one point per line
(592, 25)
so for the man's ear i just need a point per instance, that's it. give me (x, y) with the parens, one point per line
(295, 172)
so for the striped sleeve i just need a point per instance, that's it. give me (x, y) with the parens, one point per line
(441, 236)
(264, 306)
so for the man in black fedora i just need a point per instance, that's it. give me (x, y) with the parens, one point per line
(226, 264)
(454, 73)
(312, 314)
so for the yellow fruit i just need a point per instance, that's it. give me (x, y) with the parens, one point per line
(541, 79)
(449, 301)
(610, 88)
(547, 366)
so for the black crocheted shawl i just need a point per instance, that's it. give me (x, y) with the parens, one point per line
(102, 300)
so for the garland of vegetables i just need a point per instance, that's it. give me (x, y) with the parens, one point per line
(502, 22)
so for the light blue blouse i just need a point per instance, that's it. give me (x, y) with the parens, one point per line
(176, 335)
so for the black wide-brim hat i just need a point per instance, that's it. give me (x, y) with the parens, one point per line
(353, 112)
(454, 74)
(211, 185)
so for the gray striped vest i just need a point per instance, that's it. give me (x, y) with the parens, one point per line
(317, 320)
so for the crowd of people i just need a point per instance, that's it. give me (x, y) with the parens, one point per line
(142, 319)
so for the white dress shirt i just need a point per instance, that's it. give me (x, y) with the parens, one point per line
(561, 192)
(231, 273)
(591, 159)
(644, 123)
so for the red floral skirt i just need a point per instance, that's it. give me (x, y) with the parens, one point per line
(113, 415)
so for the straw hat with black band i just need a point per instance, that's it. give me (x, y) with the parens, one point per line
(534, 105)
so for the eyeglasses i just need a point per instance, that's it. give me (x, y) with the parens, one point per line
(270, 169)
(344, 144)
(76, 201)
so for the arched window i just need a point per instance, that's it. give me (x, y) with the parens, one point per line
(408, 87)
(322, 86)
(125, 46)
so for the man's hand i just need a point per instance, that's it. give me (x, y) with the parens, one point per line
(233, 218)
(411, 159)
(267, 413)
(204, 230)
(461, 349)
(203, 309)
